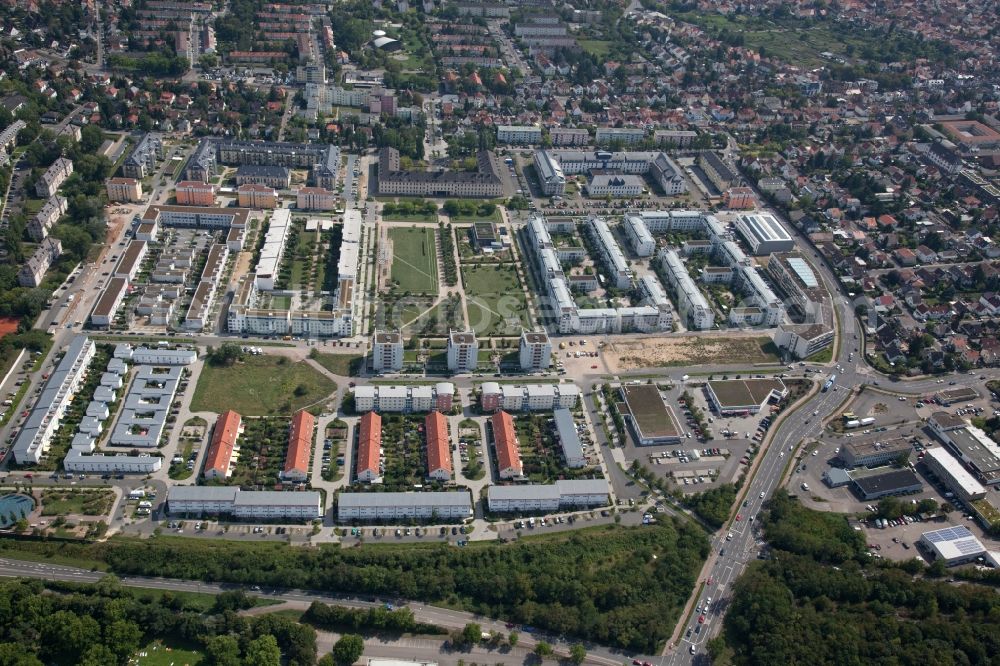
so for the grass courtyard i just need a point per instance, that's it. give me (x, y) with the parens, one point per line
(414, 260)
(496, 300)
(261, 386)
(61, 502)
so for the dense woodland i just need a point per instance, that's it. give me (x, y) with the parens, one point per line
(617, 586)
(105, 623)
(820, 599)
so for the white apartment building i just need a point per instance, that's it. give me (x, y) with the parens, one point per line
(521, 135)
(623, 135)
(387, 351)
(78, 462)
(422, 398)
(246, 504)
(32, 271)
(529, 397)
(638, 235)
(611, 255)
(535, 498)
(446, 506)
(315, 198)
(535, 351)
(124, 189)
(693, 306)
(463, 351)
(53, 178)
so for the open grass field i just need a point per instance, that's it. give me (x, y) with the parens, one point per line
(595, 47)
(414, 260)
(496, 300)
(345, 365)
(260, 386)
(60, 502)
(157, 653)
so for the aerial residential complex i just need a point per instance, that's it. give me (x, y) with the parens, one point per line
(420, 398)
(485, 182)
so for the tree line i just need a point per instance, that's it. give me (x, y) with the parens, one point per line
(619, 586)
(821, 599)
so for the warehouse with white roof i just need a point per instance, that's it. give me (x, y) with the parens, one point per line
(764, 233)
(953, 545)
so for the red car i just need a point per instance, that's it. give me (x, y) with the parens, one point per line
(701, 619)
(593, 367)
(708, 582)
(739, 516)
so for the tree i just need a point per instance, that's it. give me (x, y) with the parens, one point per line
(263, 651)
(512, 638)
(98, 655)
(223, 651)
(577, 653)
(471, 634)
(543, 649)
(348, 649)
(123, 636)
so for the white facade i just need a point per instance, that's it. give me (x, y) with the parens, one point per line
(372, 507)
(694, 308)
(79, 463)
(253, 505)
(764, 233)
(381, 398)
(387, 352)
(274, 249)
(531, 397)
(519, 134)
(535, 351)
(638, 235)
(546, 498)
(611, 255)
(463, 351)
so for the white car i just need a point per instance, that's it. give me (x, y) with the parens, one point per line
(762, 494)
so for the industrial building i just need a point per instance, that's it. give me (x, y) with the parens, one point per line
(885, 483)
(764, 233)
(449, 506)
(953, 474)
(971, 445)
(650, 420)
(529, 397)
(953, 545)
(537, 498)
(419, 398)
(244, 504)
(875, 453)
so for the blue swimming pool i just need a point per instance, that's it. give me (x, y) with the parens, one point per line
(13, 508)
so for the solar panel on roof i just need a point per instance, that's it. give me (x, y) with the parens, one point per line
(949, 534)
(802, 269)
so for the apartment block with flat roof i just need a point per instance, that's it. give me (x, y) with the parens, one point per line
(535, 351)
(387, 351)
(463, 351)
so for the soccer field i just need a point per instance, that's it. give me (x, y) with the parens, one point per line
(414, 260)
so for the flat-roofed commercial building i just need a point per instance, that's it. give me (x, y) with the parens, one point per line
(953, 474)
(527, 397)
(764, 233)
(449, 506)
(538, 498)
(300, 444)
(737, 396)
(956, 395)
(521, 135)
(221, 448)
(976, 449)
(508, 450)
(651, 421)
(569, 438)
(953, 545)
(244, 504)
(106, 308)
(535, 351)
(253, 195)
(194, 193)
(420, 398)
(387, 351)
(43, 421)
(885, 483)
(875, 453)
(369, 465)
(124, 189)
(439, 465)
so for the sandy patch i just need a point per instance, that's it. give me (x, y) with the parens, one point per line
(691, 350)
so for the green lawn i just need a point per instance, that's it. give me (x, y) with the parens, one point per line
(495, 299)
(595, 47)
(414, 260)
(159, 654)
(60, 502)
(345, 365)
(260, 386)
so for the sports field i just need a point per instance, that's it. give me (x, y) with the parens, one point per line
(414, 260)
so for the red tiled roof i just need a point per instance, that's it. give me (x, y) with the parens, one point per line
(508, 452)
(220, 451)
(300, 437)
(369, 443)
(438, 452)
